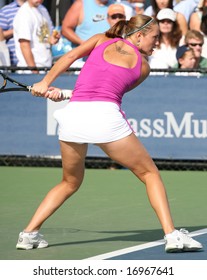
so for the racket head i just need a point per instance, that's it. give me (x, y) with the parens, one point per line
(3, 81)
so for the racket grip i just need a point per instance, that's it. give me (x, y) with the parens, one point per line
(66, 93)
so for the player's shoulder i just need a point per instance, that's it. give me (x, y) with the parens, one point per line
(99, 37)
(94, 41)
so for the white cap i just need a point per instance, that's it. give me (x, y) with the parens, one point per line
(166, 14)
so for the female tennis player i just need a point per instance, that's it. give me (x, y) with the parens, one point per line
(116, 64)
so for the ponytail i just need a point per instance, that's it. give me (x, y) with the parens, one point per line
(118, 30)
(125, 28)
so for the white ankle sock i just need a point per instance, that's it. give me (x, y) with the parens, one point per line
(30, 233)
(174, 233)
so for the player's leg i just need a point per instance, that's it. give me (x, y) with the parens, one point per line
(73, 163)
(130, 153)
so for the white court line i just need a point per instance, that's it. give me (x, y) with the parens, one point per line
(140, 247)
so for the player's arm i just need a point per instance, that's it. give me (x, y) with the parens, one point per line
(64, 63)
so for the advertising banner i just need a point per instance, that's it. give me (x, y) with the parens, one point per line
(167, 113)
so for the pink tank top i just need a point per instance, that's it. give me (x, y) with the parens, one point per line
(100, 80)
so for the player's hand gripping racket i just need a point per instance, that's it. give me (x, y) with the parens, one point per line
(3, 84)
(63, 94)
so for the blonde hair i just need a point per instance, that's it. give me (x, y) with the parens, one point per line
(125, 28)
(193, 34)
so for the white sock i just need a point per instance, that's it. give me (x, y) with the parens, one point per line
(31, 233)
(174, 233)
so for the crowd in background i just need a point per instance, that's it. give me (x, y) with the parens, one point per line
(35, 33)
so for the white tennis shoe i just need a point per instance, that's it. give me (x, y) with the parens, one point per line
(180, 241)
(27, 241)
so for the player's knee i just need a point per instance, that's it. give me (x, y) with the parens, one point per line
(71, 186)
(146, 174)
(151, 175)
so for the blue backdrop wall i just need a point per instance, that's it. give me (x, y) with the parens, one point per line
(167, 113)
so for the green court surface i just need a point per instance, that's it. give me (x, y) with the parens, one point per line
(109, 212)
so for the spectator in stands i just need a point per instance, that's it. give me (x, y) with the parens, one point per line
(186, 61)
(132, 7)
(115, 13)
(157, 5)
(196, 17)
(185, 58)
(164, 56)
(186, 7)
(195, 40)
(7, 14)
(4, 51)
(33, 35)
(138, 6)
(84, 20)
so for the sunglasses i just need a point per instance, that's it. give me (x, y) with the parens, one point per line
(119, 16)
(195, 44)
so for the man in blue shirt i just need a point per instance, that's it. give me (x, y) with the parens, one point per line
(7, 14)
(84, 19)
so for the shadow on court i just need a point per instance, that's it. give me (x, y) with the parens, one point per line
(139, 236)
(156, 252)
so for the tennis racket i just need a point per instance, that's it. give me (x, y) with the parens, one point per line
(3, 83)
(64, 94)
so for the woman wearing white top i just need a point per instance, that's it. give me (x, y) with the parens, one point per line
(157, 5)
(164, 56)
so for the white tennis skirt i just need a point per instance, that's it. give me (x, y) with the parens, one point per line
(91, 122)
